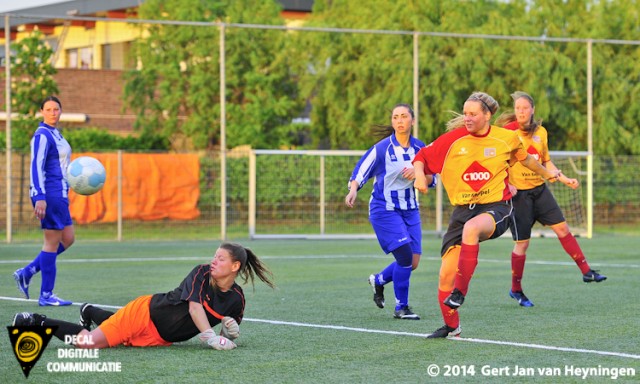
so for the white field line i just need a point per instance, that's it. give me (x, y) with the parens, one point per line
(396, 333)
(310, 257)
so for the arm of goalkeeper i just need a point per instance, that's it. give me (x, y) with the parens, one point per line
(230, 328)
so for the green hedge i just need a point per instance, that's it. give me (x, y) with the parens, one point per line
(92, 139)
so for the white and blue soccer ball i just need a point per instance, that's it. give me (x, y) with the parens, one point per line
(86, 175)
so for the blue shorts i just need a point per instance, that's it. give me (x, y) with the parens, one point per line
(57, 215)
(396, 228)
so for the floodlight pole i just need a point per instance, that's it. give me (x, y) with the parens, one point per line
(416, 74)
(223, 140)
(7, 69)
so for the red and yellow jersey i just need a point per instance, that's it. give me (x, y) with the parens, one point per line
(473, 169)
(537, 146)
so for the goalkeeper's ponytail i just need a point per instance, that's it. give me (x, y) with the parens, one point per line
(250, 265)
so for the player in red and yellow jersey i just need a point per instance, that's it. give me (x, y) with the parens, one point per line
(473, 160)
(534, 201)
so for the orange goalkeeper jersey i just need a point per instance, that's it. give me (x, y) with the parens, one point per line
(537, 146)
(473, 169)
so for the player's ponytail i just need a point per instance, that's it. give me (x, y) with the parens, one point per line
(250, 265)
(255, 266)
(505, 118)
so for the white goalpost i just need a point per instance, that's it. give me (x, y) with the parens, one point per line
(300, 194)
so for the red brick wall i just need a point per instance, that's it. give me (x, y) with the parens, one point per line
(97, 93)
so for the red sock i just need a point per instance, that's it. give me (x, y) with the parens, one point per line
(517, 270)
(570, 245)
(466, 266)
(450, 316)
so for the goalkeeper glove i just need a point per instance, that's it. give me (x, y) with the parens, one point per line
(230, 328)
(206, 335)
(221, 343)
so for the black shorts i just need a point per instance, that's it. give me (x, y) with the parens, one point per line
(501, 212)
(531, 205)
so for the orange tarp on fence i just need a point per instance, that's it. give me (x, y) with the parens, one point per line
(154, 187)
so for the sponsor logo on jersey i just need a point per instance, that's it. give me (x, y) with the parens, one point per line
(534, 152)
(476, 176)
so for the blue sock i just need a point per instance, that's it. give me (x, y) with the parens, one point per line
(387, 273)
(34, 267)
(402, 274)
(48, 268)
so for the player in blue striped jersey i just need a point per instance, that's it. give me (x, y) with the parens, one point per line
(50, 156)
(393, 207)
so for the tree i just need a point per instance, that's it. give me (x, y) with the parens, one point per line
(31, 81)
(176, 90)
(352, 80)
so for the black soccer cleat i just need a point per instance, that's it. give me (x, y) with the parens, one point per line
(26, 319)
(454, 300)
(23, 319)
(592, 276)
(378, 291)
(444, 332)
(405, 313)
(85, 319)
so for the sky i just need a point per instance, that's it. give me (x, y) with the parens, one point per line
(12, 5)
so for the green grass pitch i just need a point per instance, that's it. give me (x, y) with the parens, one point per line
(320, 324)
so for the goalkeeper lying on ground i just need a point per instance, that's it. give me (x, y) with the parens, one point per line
(207, 296)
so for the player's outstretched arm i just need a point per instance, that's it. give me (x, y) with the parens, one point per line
(420, 182)
(531, 163)
(350, 199)
(569, 182)
(207, 334)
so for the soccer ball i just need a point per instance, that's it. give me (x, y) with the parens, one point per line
(86, 175)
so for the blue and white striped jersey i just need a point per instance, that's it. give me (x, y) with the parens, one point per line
(50, 156)
(385, 162)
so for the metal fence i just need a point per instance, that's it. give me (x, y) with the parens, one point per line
(225, 202)
(305, 198)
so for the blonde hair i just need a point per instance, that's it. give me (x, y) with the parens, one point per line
(487, 103)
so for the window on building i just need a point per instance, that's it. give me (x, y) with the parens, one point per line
(80, 58)
(106, 56)
(72, 58)
(86, 58)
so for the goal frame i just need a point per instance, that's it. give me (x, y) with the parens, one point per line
(440, 199)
